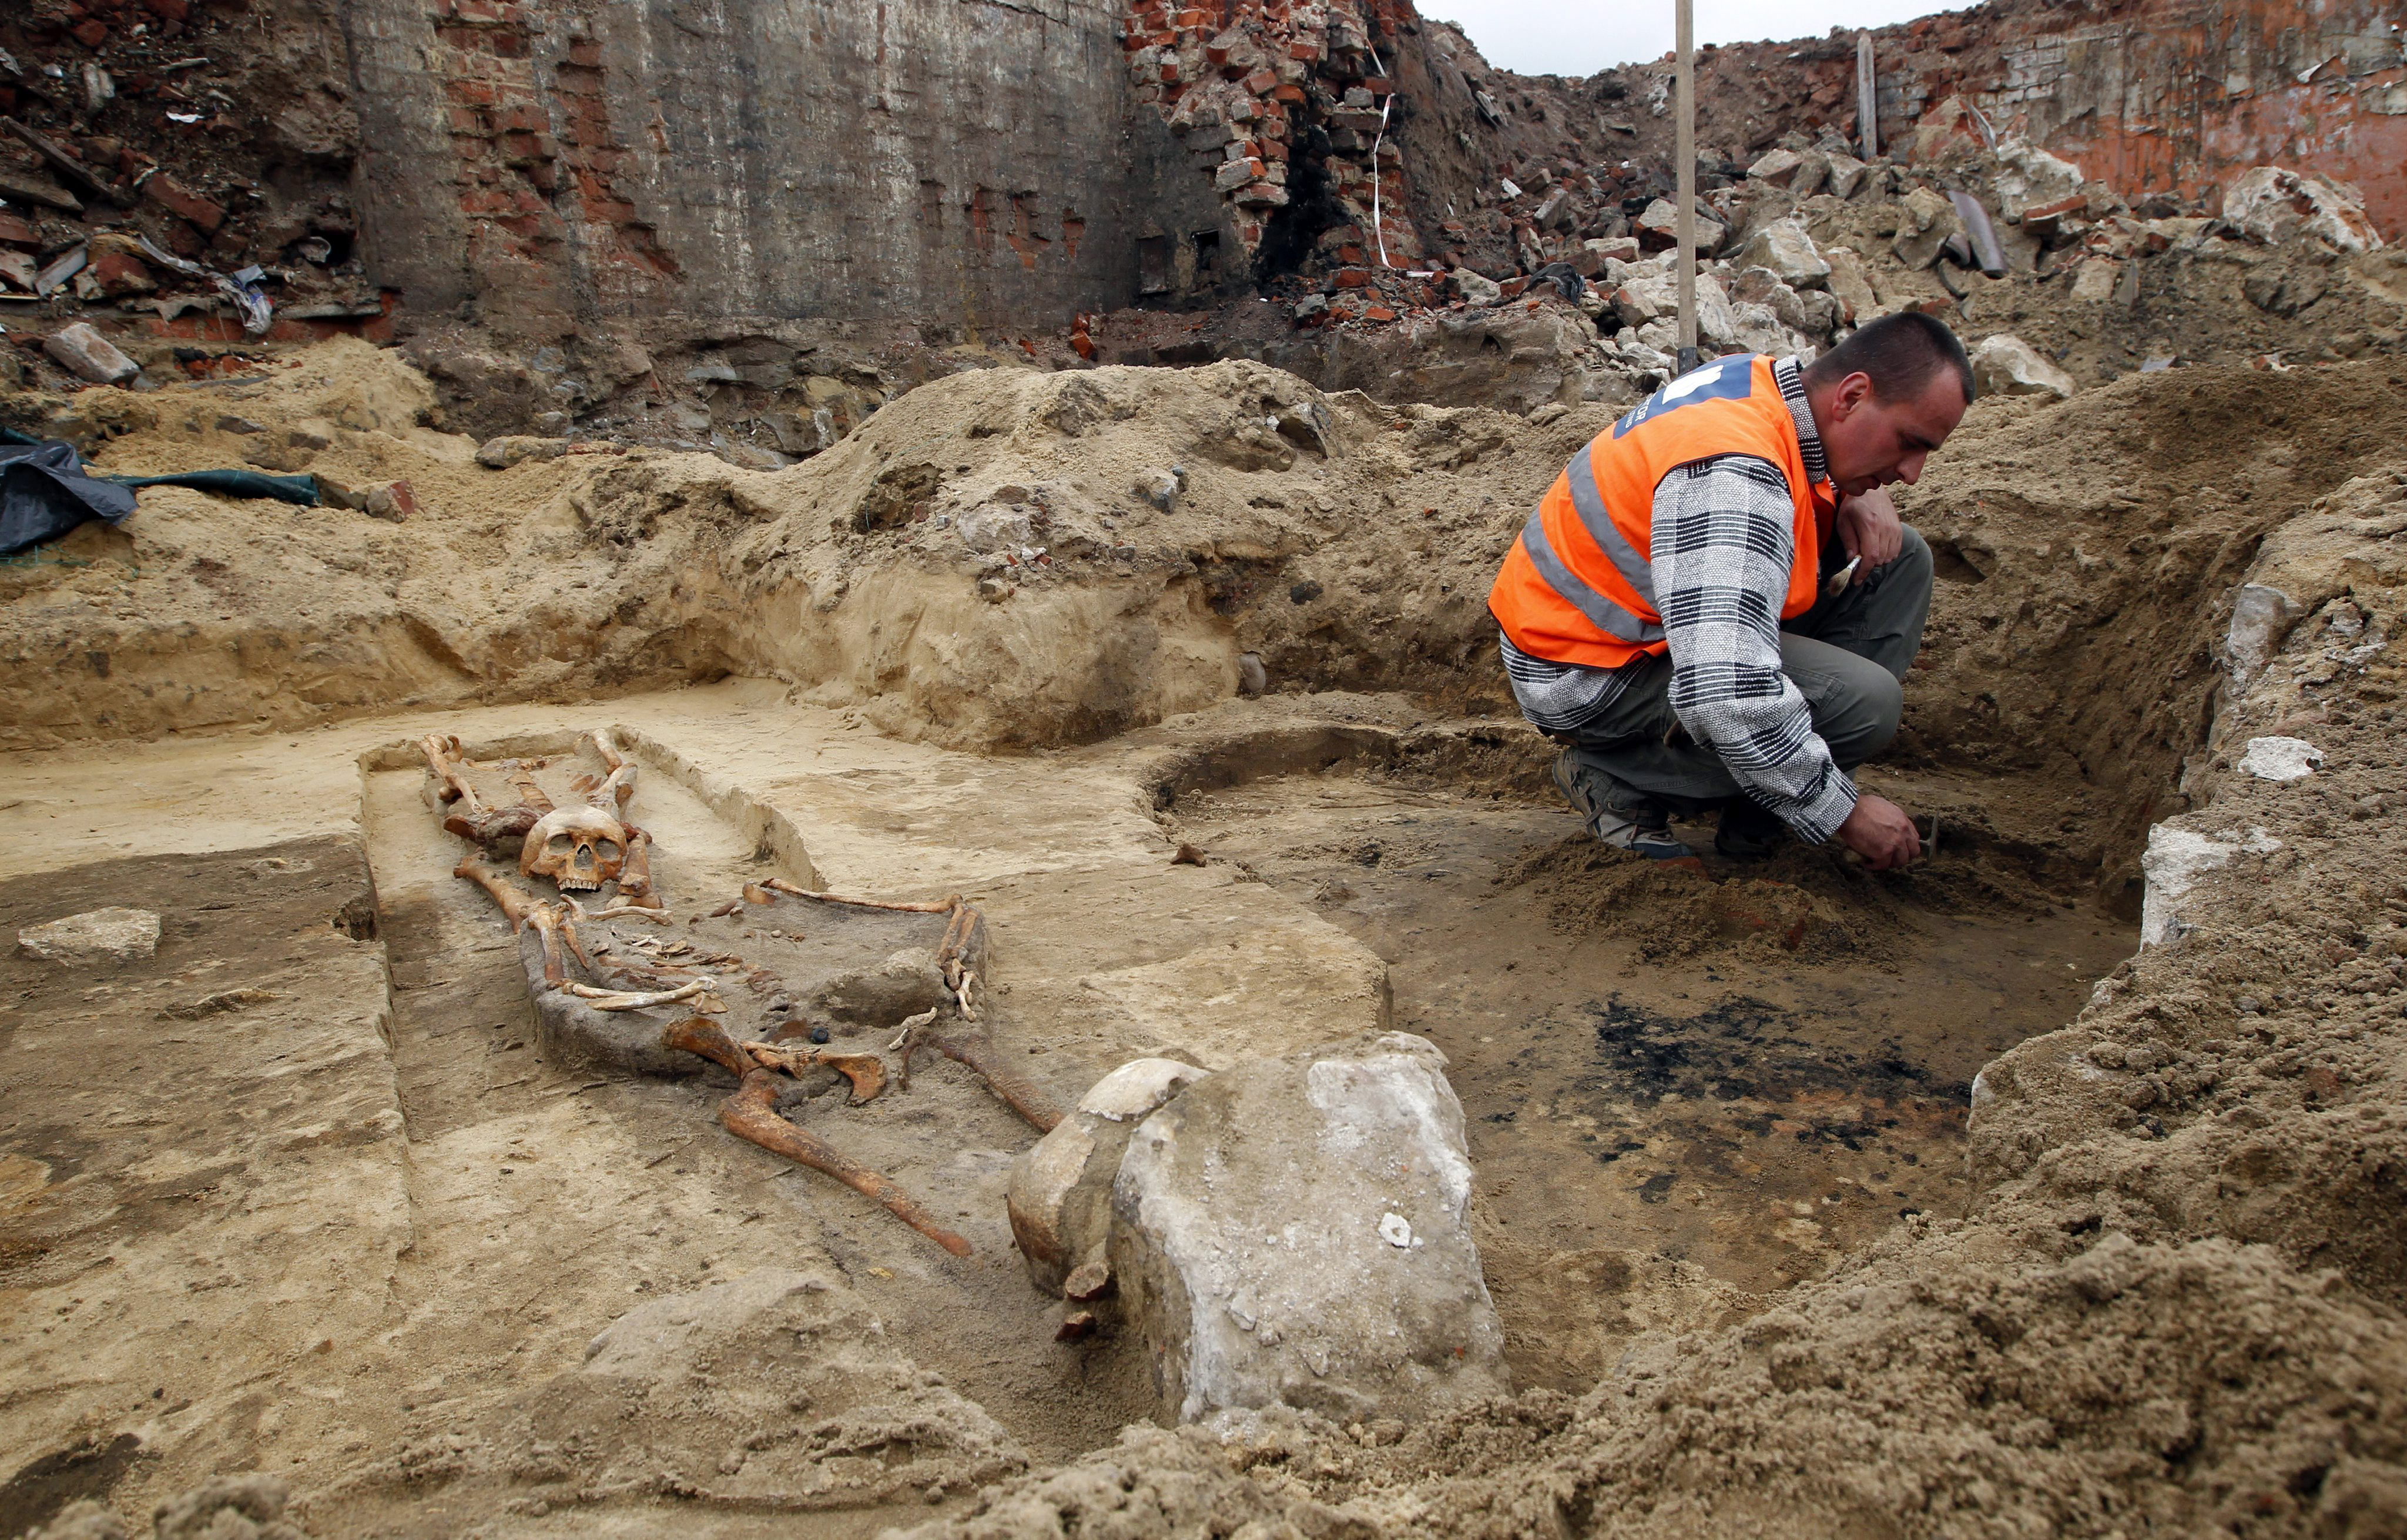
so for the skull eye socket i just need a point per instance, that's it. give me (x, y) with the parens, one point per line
(559, 845)
(607, 848)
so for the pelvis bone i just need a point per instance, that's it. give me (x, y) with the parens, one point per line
(579, 848)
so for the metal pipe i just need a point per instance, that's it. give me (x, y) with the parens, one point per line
(1867, 104)
(1687, 179)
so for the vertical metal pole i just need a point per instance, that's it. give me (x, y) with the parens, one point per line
(1866, 108)
(1688, 184)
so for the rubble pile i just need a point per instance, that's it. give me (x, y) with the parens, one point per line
(176, 181)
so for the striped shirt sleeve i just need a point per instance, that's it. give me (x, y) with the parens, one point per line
(1722, 549)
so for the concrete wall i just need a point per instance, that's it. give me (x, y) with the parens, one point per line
(967, 164)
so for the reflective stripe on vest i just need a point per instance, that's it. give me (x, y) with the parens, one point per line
(1607, 616)
(1578, 584)
(1636, 570)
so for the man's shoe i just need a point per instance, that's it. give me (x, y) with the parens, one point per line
(1747, 832)
(1616, 814)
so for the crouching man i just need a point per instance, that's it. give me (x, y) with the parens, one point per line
(1715, 605)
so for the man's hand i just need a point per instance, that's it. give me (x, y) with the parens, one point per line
(1879, 830)
(1869, 527)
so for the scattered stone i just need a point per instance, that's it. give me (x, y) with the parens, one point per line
(2248, 1004)
(1659, 228)
(500, 454)
(1778, 167)
(2005, 365)
(1925, 220)
(1059, 1192)
(84, 351)
(2261, 616)
(394, 502)
(990, 527)
(1254, 1239)
(2029, 175)
(2281, 759)
(1252, 679)
(1785, 249)
(2277, 207)
(1846, 175)
(117, 265)
(1477, 289)
(2094, 283)
(114, 935)
(1161, 487)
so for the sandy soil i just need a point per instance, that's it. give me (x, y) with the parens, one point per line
(2161, 1293)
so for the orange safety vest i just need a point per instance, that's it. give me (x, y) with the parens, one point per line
(1578, 586)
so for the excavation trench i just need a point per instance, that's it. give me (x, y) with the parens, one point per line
(1684, 1091)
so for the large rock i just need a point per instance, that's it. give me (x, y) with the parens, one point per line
(1293, 1231)
(2277, 206)
(2027, 175)
(1785, 249)
(2005, 365)
(1659, 228)
(1854, 288)
(114, 935)
(1059, 1194)
(2261, 616)
(1925, 220)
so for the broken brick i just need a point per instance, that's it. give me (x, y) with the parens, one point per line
(16, 232)
(176, 199)
(91, 34)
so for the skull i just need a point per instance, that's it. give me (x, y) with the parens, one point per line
(579, 848)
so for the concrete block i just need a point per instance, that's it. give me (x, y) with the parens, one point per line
(1294, 1232)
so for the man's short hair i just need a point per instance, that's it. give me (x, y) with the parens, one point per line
(1899, 354)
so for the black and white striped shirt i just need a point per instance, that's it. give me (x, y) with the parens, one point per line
(1723, 545)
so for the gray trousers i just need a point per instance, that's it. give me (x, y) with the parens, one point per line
(1848, 656)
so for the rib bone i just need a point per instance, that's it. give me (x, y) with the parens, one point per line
(621, 1000)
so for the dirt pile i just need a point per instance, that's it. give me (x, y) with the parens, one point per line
(2171, 1299)
(2172, 1302)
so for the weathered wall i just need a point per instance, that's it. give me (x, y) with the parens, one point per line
(2173, 96)
(965, 163)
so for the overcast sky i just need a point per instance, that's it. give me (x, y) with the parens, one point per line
(1549, 38)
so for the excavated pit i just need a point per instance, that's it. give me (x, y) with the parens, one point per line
(1686, 1091)
(1711, 1104)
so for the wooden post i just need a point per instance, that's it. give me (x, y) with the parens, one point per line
(1687, 181)
(1866, 108)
